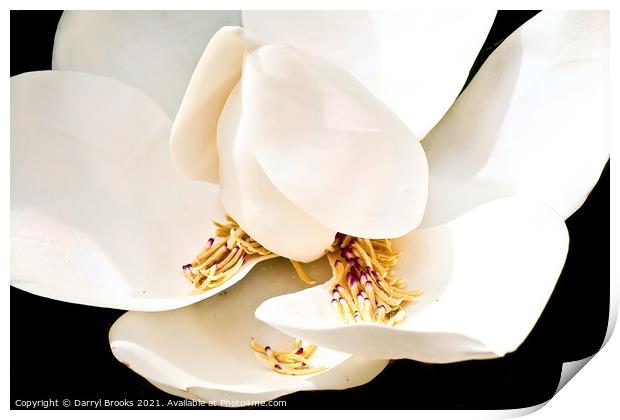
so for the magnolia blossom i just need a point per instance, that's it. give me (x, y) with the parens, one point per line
(306, 126)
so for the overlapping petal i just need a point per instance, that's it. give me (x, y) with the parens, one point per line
(486, 277)
(533, 121)
(193, 143)
(416, 61)
(330, 146)
(256, 204)
(247, 193)
(99, 215)
(303, 149)
(155, 51)
(203, 352)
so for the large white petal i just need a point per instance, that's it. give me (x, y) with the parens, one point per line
(253, 201)
(534, 120)
(330, 146)
(203, 352)
(99, 215)
(155, 51)
(193, 143)
(248, 195)
(486, 277)
(303, 149)
(416, 61)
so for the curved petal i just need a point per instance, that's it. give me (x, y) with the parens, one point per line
(155, 51)
(203, 351)
(486, 277)
(193, 143)
(415, 61)
(253, 201)
(99, 215)
(534, 120)
(330, 146)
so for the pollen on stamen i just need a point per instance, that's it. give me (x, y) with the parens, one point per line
(294, 362)
(219, 262)
(363, 287)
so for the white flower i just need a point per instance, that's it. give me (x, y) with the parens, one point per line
(100, 216)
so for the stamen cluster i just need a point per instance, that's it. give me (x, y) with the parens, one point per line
(363, 286)
(216, 264)
(294, 362)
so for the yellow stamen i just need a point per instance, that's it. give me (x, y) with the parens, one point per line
(302, 273)
(294, 362)
(217, 263)
(363, 286)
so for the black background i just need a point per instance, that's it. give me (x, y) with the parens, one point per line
(61, 350)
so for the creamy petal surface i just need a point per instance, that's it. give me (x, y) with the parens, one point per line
(255, 203)
(99, 214)
(416, 61)
(533, 121)
(204, 146)
(330, 146)
(486, 277)
(303, 149)
(193, 142)
(203, 352)
(155, 51)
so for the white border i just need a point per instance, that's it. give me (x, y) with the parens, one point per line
(593, 393)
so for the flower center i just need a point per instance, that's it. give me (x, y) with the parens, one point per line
(364, 287)
(217, 263)
(294, 362)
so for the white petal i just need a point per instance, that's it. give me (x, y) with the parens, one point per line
(329, 146)
(486, 277)
(99, 215)
(415, 61)
(203, 351)
(193, 142)
(534, 120)
(248, 195)
(252, 200)
(155, 51)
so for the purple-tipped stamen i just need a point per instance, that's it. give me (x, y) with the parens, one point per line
(350, 278)
(353, 283)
